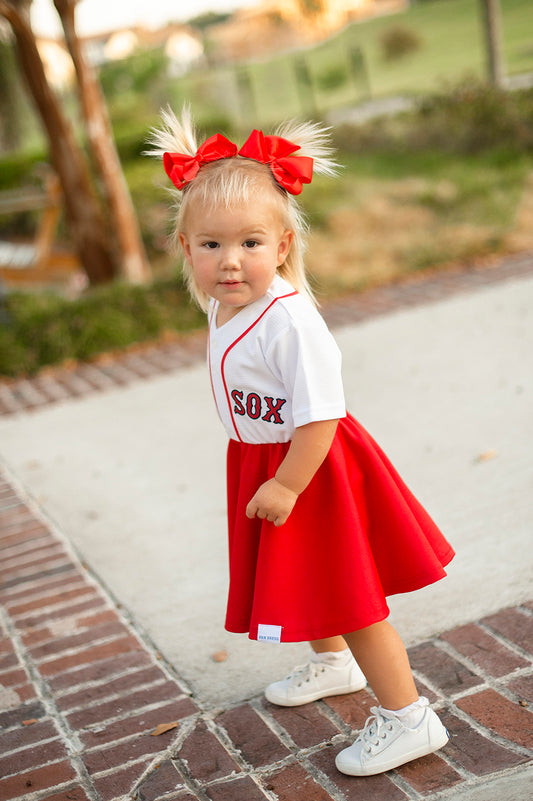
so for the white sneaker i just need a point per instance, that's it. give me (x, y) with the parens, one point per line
(316, 680)
(385, 743)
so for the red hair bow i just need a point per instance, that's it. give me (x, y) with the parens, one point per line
(289, 171)
(181, 168)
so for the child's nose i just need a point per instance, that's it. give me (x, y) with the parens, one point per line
(230, 258)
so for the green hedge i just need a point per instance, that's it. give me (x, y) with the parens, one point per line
(43, 329)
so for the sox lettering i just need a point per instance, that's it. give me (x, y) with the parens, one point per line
(254, 405)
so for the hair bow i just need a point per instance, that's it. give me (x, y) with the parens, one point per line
(181, 168)
(289, 171)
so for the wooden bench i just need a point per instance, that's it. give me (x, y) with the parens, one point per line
(37, 261)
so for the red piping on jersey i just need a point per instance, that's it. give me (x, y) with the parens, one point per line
(281, 297)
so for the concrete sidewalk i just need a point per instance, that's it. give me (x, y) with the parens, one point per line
(133, 479)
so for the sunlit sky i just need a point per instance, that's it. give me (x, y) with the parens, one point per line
(95, 16)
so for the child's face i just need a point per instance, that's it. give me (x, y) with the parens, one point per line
(234, 252)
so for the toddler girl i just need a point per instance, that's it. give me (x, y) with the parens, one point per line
(321, 527)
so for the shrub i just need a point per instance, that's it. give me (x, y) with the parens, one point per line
(398, 42)
(42, 329)
(469, 118)
(332, 78)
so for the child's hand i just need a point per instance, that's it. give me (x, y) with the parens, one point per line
(272, 502)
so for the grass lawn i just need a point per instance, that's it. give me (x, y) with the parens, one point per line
(452, 47)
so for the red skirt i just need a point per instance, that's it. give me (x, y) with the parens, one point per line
(355, 535)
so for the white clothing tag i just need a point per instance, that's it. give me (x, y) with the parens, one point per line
(269, 633)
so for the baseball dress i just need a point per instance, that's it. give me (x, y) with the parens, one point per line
(356, 533)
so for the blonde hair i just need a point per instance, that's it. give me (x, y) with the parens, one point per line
(232, 181)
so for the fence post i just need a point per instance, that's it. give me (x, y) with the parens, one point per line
(306, 90)
(359, 71)
(246, 94)
(493, 40)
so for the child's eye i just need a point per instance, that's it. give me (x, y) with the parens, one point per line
(211, 245)
(251, 243)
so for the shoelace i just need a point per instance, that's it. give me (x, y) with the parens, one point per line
(377, 729)
(303, 673)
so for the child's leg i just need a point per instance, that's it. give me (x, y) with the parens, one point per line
(403, 727)
(383, 659)
(331, 644)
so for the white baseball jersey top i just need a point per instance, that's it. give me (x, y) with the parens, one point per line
(274, 366)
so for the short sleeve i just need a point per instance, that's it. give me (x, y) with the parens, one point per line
(306, 358)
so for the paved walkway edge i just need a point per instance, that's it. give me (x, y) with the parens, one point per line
(90, 710)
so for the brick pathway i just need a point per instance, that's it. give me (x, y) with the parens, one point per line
(82, 693)
(143, 362)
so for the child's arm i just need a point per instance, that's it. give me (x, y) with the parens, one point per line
(275, 499)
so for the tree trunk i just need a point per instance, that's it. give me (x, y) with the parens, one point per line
(86, 223)
(493, 37)
(132, 257)
(10, 108)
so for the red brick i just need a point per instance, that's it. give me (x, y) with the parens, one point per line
(354, 708)
(62, 613)
(99, 671)
(41, 587)
(376, 788)
(108, 616)
(257, 743)
(26, 550)
(514, 625)
(31, 558)
(35, 780)
(430, 774)
(104, 759)
(14, 717)
(120, 782)
(486, 652)
(43, 602)
(162, 780)
(89, 655)
(473, 752)
(501, 716)
(441, 669)
(79, 640)
(305, 724)
(31, 758)
(24, 535)
(522, 687)
(27, 735)
(40, 567)
(26, 692)
(293, 783)
(27, 578)
(204, 757)
(72, 794)
(16, 520)
(138, 724)
(12, 678)
(121, 685)
(244, 789)
(8, 661)
(120, 706)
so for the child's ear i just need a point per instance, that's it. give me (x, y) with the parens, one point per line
(284, 246)
(185, 246)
